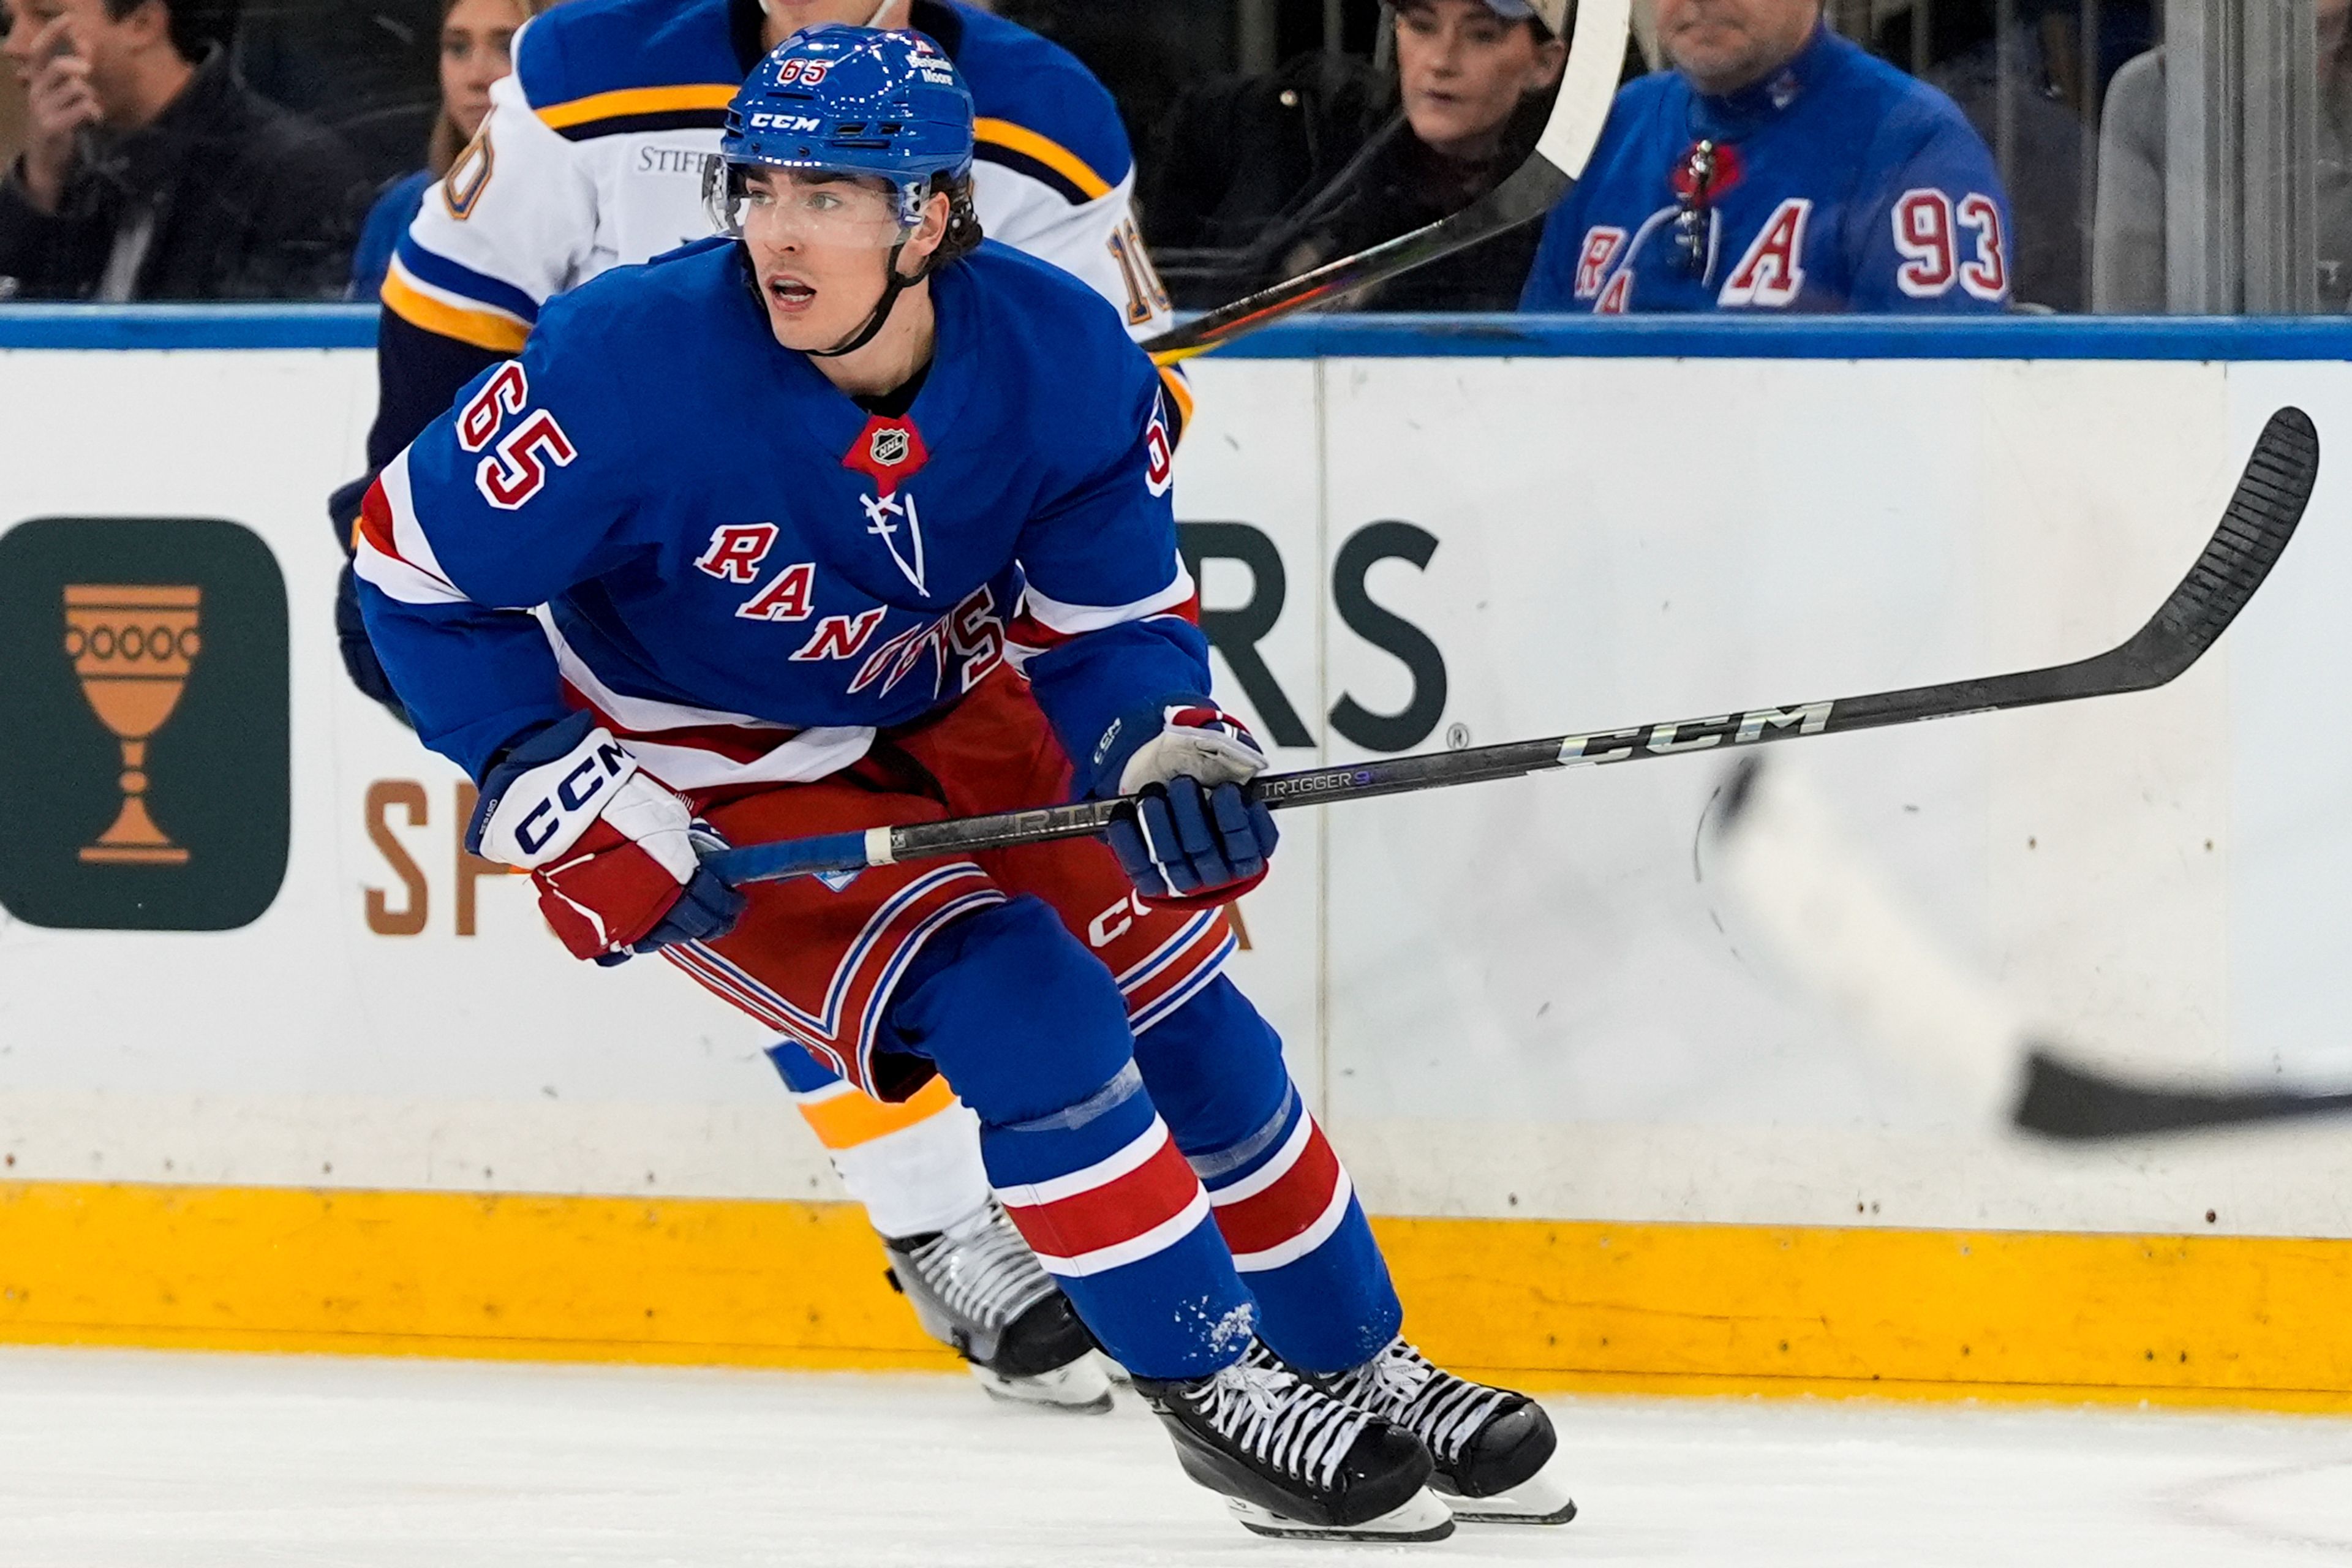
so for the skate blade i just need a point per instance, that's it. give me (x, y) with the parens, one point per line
(1421, 1517)
(1538, 1499)
(1078, 1389)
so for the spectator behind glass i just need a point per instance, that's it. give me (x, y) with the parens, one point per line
(1777, 167)
(2127, 262)
(150, 172)
(1474, 86)
(477, 50)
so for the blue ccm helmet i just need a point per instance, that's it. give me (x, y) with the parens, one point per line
(857, 101)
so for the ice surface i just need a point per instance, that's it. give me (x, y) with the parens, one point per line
(134, 1460)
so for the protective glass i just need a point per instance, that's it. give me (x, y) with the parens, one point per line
(777, 207)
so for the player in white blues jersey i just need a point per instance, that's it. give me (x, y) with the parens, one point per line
(594, 156)
(852, 520)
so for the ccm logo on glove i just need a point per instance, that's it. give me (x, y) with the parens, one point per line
(562, 813)
(616, 856)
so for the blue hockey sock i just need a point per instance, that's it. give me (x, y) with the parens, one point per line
(1283, 1200)
(1113, 1212)
(1032, 1033)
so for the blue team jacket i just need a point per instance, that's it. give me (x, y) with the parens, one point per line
(1836, 184)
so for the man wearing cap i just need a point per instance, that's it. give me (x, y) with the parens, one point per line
(1778, 168)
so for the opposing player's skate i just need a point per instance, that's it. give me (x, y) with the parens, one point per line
(1490, 1445)
(977, 1286)
(1294, 1462)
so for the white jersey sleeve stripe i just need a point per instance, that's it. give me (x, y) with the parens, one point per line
(790, 755)
(1075, 620)
(399, 579)
(409, 535)
(389, 548)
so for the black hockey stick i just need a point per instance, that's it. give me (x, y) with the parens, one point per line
(2260, 518)
(1596, 58)
(2065, 1101)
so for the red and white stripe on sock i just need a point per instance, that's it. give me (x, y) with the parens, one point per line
(1284, 1209)
(1131, 1205)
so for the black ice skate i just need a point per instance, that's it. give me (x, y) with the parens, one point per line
(1490, 1445)
(1292, 1461)
(978, 1288)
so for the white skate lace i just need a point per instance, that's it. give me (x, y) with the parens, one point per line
(1276, 1417)
(981, 1271)
(1443, 1411)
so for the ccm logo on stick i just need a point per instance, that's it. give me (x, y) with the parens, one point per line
(1693, 734)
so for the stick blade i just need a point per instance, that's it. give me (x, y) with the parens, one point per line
(2262, 517)
(2066, 1102)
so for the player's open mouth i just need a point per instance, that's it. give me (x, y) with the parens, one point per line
(790, 295)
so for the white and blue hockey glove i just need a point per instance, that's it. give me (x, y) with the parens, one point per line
(1195, 840)
(616, 855)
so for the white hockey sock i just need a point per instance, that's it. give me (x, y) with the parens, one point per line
(912, 1179)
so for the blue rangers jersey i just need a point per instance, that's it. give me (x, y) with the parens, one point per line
(1837, 184)
(594, 153)
(659, 512)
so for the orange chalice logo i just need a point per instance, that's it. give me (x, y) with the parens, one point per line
(132, 646)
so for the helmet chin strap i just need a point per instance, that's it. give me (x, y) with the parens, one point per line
(898, 284)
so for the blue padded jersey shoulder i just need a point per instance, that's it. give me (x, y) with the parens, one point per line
(1030, 84)
(639, 303)
(586, 49)
(1647, 95)
(1074, 340)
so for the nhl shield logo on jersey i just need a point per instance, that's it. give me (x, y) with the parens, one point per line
(890, 452)
(887, 451)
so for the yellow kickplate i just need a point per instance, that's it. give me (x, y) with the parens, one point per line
(1737, 1309)
(439, 1273)
(1696, 1308)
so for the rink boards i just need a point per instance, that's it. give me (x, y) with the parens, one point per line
(326, 1082)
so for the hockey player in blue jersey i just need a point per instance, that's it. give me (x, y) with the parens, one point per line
(1780, 168)
(593, 157)
(851, 520)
